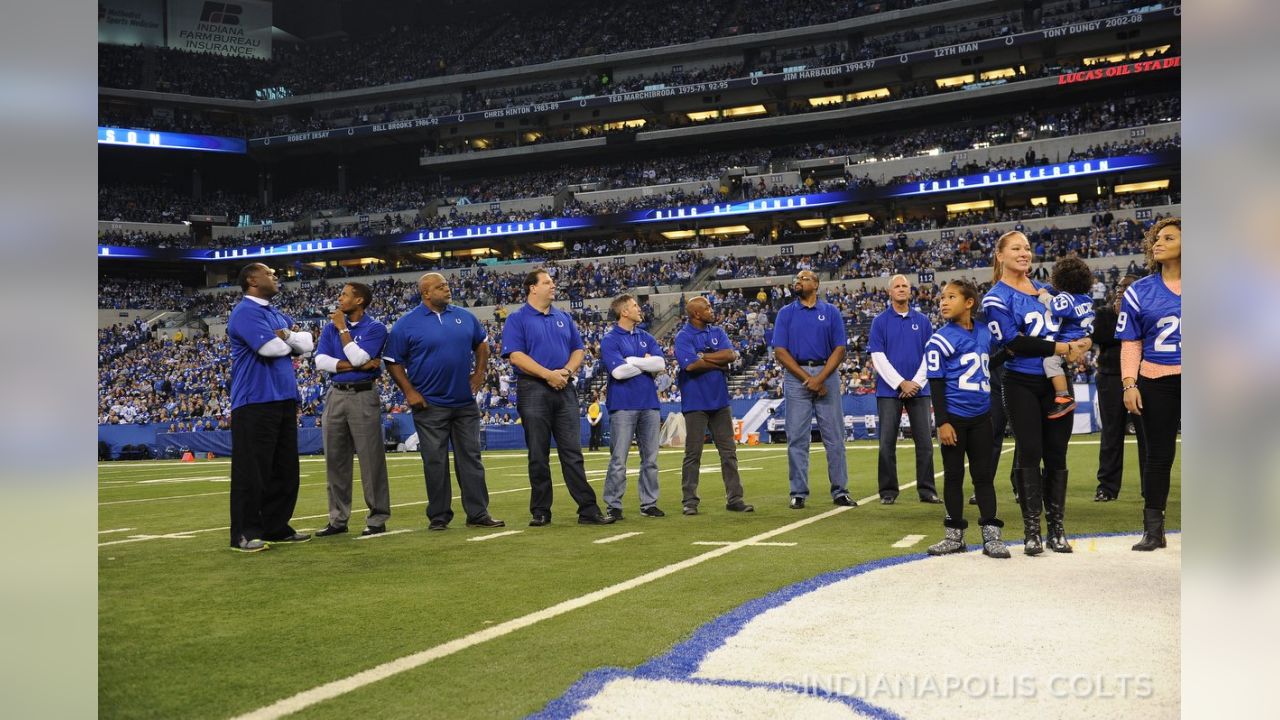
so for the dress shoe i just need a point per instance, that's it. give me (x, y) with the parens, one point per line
(740, 507)
(690, 510)
(797, 503)
(372, 530)
(438, 524)
(888, 500)
(485, 522)
(845, 500)
(540, 520)
(330, 530)
(249, 546)
(294, 538)
(931, 499)
(615, 513)
(596, 519)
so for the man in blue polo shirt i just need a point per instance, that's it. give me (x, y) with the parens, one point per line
(704, 353)
(809, 342)
(545, 348)
(350, 350)
(896, 344)
(633, 358)
(264, 415)
(430, 354)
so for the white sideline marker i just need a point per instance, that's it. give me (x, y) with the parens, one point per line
(104, 532)
(908, 541)
(482, 538)
(615, 538)
(384, 534)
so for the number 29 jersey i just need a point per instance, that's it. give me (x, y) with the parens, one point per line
(1152, 313)
(962, 357)
(1009, 313)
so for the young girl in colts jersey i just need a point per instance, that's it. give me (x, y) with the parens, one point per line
(957, 359)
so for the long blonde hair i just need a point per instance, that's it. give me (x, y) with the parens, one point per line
(996, 268)
(1150, 241)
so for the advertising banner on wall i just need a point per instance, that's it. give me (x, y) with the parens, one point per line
(241, 28)
(131, 22)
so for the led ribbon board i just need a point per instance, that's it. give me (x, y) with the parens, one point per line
(132, 137)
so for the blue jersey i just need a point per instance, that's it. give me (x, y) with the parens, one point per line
(962, 358)
(1074, 314)
(1152, 313)
(1010, 313)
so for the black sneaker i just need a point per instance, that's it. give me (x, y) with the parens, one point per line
(797, 503)
(292, 539)
(438, 524)
(740, 507)
(1102, 496)
(690, 510)
(931, 500)
(540, 520)
(596, 519)
(652, 511)
(486, 522)
(1062, 405)
(371, 530)
(331, 530)
(845, 500)
(615, 513)
(888, 499)
(973, 500)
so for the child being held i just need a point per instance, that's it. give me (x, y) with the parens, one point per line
(1070, 309)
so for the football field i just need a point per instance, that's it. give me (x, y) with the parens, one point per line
(486, 623)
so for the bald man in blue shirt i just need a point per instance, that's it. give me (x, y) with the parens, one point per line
(809, 342)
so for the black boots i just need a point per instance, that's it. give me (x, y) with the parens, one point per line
(1031, 500)
(1152, 530)
(1055, 501)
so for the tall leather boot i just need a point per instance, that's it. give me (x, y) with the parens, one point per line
(1028, 480)
(1055, 502)
(1152, 530)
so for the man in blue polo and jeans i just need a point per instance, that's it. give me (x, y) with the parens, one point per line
(633, 358)
(809, 342)
(431, 353)
(896, 344)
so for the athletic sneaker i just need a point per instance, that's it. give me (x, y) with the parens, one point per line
(248, 546)
(1062, 405)
(797, 503)
(652, 511)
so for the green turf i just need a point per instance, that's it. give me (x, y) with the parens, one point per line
(188, 628)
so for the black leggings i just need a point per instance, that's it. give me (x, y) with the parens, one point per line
(973, 438)
(1036, 438)
(1158, 427)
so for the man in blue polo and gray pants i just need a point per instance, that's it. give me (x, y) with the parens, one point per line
(896, 344)
(809, 342)
(430, 354)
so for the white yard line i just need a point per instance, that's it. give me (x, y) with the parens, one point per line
(384, 534)
(908, 541)
(166, 497)
(759, 544)
(104, 532)
(337, 688)
(482, 538)
(615, 538)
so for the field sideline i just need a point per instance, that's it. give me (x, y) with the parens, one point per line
(188, 628)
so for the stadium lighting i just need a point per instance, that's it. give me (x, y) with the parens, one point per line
(809, 223)
(973, 205)
(1142, 186)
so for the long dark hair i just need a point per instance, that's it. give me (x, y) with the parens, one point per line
(969, 291)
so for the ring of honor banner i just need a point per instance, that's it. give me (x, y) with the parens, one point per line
(241, 28)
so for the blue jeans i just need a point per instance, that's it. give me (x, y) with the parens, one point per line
(802, 405)
(644, 425)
